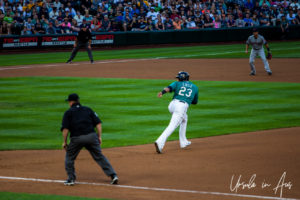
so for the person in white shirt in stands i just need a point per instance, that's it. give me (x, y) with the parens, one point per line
(57, 4)
(78, 18)
(53, 14)
(152, 14)
(190, 24)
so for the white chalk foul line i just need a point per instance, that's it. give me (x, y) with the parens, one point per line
(72, 64)
(149, 188)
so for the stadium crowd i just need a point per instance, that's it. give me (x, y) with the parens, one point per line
(21, 17)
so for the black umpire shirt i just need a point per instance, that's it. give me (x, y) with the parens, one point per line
(84, 36)
(80, 120)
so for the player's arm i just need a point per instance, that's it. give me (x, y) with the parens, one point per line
(195, 100)
(247, 47)
(164, 91)
(99, 132)
(267, 46)
(65, 133)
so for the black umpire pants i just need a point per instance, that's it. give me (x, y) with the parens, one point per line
(79, 45)
(91, 143)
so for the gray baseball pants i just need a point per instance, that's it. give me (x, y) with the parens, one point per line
(91, 143)
(261, 54)
(79, 45)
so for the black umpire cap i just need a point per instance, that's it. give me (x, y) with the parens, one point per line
(73, 97)
(255, 30)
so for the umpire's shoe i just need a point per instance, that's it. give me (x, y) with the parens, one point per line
(252, 73)
(114, 180)
(69, 182)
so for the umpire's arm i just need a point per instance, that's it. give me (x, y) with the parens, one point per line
(65, 133)
(99, 132)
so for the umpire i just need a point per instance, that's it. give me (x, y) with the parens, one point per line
(80, 121)
(83, 39)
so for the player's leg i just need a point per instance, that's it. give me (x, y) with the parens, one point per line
(182, 133)
(173, 124)
(251, 62)
(93, 146)
(72, 152)
(89, 50)
(265, 61)
(74, 52)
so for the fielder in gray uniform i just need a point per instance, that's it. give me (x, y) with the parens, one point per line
(257, 41)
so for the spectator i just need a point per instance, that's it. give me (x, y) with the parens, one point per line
(264, 20)
(53, 14)
(65, 26)
(142, 25)
(295, 5)
(298, 17)
(87, 17)
(284, 25)
(240, 21)
(51, 29)
(150, 26)
(5, 29)
(39, 29)
(255, 20)
(134, 25)
(78, 18)
(223, 21)
(159, 25)
(26, 31)
(152, 14)
(248, 21)
(168, 23)
(200, 22)
(249, 5)
(208, 21)
(105, 24)
(177, 23)
(217, 22)
(190, 24)
(57, 4)
(291, 17)
(95, 25)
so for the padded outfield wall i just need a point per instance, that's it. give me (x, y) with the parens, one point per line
(145, 38)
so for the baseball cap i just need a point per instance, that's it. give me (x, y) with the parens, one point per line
(255, 30)
(72, 97)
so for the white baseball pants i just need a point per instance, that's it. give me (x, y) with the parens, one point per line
(178, 110)
(261, 54)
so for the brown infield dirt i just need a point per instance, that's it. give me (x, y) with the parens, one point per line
(203, 171)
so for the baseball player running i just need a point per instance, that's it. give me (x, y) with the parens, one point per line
(185, 93)
(257, 41)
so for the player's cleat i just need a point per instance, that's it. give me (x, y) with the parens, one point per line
(114, 180)
(92, 62)
(69, 182)
(187, 144)
(252, 74)
(270, 73)
(69, 62)
(158, 150)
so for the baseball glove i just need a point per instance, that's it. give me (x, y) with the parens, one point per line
(269, 56)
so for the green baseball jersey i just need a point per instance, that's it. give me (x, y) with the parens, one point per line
(185, 91)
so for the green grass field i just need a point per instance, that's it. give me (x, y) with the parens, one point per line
(24, 196)
(279, 50)
(31, 109)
